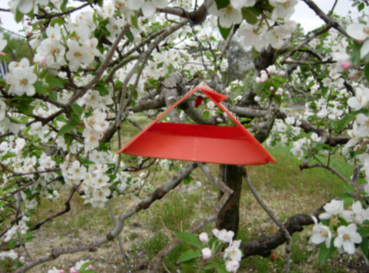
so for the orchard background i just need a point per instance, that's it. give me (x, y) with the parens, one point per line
(89, 75)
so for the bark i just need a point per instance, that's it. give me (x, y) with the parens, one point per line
(228, 217)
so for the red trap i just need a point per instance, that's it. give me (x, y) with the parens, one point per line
(202, 143)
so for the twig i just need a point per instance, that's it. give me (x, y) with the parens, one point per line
(306, 166)
(166, 268)
(307, 40)
(119, 240)
(142, 61)
(50, 16)
(49, 218)
(35, 172)
(272, 216)
(166, 231)
(228, 42)
(331, 11)
(25, 249)
(308, 63)
(328, 20)
(356, 175)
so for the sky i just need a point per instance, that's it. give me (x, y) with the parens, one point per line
(303, 14)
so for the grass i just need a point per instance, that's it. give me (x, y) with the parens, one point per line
(285, 188)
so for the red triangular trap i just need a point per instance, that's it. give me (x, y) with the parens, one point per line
(201, 143)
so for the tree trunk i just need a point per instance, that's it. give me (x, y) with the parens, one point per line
(228, 217)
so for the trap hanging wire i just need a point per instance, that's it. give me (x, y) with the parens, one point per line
(201, 143)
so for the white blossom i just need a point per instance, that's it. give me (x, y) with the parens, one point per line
(227, 16)
(347, 237)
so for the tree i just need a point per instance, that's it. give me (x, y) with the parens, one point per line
(90, 72)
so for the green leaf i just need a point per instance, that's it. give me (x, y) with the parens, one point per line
(255, 11)
(187, 180)
(86, 162)
(65, 129)
(188, 255)
(278, 100)
(77, 109)
(224, 31)
(38, 87)
(324, 90)
(189, 238)
(322, 146)
(205, 115)
(24, 107)
(6, 156)
(347, 198)
(212, 242)
(321, 76)
(360, 8)
(220, 268)
(209, 266)
(221, 4)
(54, 81)
(130, 36)
(325, 253)
(366, 72)
(363, 231)
(75, 118)
(102, 90)
(356, 53)
(18, 16)
(134, 20)
(53, 96)
(83, 267)
(249, 16)
(364, 246)
(58, 21)
(63, 6)
(348, 187)
(340, 124)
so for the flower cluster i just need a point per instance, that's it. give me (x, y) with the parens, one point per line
(260, 36)
(270, 86)
(95, 126)
(345, 236)
(210, 250)
(21, 78)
